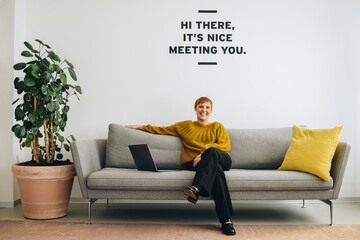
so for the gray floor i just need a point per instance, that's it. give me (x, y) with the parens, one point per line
(249, 213)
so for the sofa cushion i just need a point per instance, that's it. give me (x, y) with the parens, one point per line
(166, 150)
(269, 179)
(312, 151)
(259, 148)
(238, 179)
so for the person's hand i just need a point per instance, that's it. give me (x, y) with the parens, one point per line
(138, 127)
(197, 159)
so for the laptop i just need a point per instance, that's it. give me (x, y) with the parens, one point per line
(143, 158)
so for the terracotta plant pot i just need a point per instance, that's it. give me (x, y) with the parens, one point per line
(44, 191)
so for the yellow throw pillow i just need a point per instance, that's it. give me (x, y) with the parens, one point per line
(312, 150)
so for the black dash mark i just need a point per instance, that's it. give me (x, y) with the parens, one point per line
(207, 63)
(207, 11)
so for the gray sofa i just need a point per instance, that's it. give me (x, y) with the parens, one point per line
(105, 168)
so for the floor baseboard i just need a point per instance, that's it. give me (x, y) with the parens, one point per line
(10, 204)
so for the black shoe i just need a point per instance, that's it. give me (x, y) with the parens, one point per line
(193, 194)
(192, 200)
(228, 228)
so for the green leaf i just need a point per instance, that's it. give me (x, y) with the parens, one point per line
(28, 125)
(29, 137)
(69, 64)
(58, 69)
(45, 62)
(40, 135)
(27, 107)
(57, 122)
(55, 86)
(20, 87)
(33, 117)
(27, 98)
(27, 143)
(52, 68)
(35, 91)
(29, 82)
(16, 80)
(51, 92)
(72, 138)
(35, 70)
(35, 74)
(63, 78)
(72, 74)
(78, 89)
(32, 62)
(14, 127)
(66, 108)
(50, 107)
(59, 98)
(44, 89)
(57, 116)
(39, 41)
(56, 105)
(46, 76)
(26, 54)
(19, 66)
(35, 131)
(41, 111)
(39, 124)
(28, 45)
(20, 132)
(19, 113)
(67, 147)
(53, 56)
(61, 138)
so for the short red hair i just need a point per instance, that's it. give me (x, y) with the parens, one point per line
(203, 100)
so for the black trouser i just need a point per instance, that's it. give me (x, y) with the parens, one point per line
(211, 179)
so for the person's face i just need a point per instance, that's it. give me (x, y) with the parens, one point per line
(203, 112)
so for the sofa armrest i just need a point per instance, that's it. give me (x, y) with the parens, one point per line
(338, 166)
(88, 156)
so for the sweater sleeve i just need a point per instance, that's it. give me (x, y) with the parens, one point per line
(222, 140)
(170, 130)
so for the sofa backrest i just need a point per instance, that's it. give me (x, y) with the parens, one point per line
(166, 150)
(250, 148)
(259, 148)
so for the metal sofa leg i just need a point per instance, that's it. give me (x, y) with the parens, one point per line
(328, 202)
(107, 203)
(303, 206)
(91, 201)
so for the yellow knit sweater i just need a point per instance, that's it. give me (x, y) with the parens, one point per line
(196, 137)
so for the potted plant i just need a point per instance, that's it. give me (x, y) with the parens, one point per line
(41, 113)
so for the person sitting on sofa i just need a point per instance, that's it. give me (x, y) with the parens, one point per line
(205, 150)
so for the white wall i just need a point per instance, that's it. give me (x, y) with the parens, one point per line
(355, 65)
(6, 79)
(301, 65)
